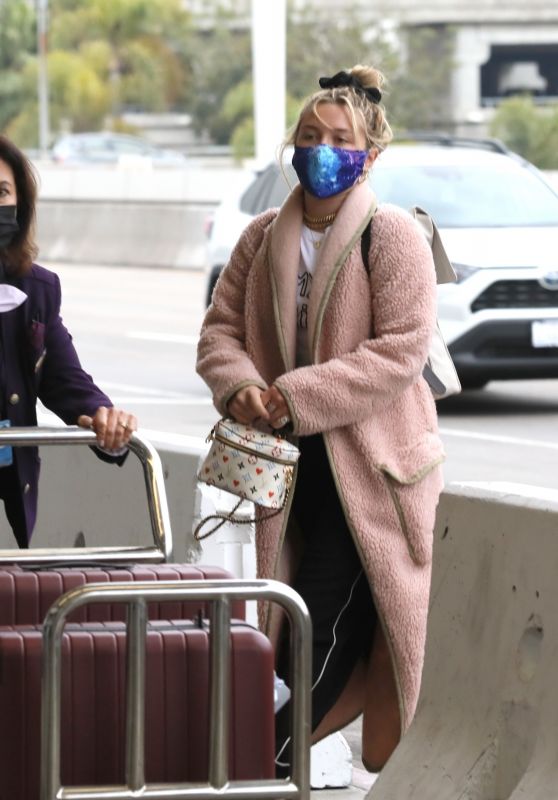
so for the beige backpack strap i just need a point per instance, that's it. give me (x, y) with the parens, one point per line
(444, 270)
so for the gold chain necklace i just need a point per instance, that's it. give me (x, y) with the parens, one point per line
(318, 225)
(318, 222)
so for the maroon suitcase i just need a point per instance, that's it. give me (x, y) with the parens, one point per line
(27, 594)
(93, 705)
(34, 579)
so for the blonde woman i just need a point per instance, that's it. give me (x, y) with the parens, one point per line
(302, 337)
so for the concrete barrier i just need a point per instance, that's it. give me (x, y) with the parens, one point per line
(122, 234)
(485, 727)
(129, 216)
(124, 216)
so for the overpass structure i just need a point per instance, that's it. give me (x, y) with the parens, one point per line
(500, 48)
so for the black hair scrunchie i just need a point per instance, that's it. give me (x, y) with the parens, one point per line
(347, 79)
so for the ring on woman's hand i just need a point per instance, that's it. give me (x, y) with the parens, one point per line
(124, 425)
(282, 421)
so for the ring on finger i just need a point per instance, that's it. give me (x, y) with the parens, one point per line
(124, 425)
(282, 421)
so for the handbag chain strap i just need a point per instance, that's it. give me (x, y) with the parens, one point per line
(231, 518)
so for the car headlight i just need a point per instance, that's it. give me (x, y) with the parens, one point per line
(464, 271)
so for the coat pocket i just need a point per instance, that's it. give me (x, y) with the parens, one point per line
(415, 505)
(410, 464)
(414, 480)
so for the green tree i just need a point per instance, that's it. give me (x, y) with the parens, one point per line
(323, 44)
(17, 42)
(528, 130)
(148, 47)
(105, 56)
(221, 59)
(78, 97)
(17, 33)
(419, 96)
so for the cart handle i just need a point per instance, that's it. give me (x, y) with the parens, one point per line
(160, 551)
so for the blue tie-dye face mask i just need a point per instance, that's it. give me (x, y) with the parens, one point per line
(324, 170)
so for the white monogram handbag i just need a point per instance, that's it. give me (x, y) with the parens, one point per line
(249, 463)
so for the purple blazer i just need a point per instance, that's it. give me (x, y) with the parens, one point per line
(39, 361)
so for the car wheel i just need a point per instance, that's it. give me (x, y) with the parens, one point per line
(473, 383)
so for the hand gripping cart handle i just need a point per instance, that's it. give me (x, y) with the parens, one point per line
(160, 551)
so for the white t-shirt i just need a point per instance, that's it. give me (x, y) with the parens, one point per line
(307, 265)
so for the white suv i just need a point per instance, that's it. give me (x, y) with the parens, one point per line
(498, 218)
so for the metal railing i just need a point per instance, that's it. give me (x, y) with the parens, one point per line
(156, 501)
(220, 593)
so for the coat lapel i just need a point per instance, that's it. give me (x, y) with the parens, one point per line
(352, 218)
(284, 257)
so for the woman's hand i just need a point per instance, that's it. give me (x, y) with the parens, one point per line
(277, 407)
(112, 426)
(246, 406)
(252, 406)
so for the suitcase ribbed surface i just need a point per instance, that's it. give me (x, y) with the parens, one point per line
(27, 594)
(93, 705)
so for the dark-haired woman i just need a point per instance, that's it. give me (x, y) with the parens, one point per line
(37, 357)
(301, 335)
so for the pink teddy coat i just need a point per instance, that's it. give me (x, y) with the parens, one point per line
(369, 339)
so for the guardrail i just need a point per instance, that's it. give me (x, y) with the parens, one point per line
(156, 500)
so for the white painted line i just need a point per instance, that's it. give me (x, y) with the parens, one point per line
(497, 439)
(170, 338)
(192, 443)
(160, 401)
(147, 390)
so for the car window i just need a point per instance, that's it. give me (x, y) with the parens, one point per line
(268, 190)
(469, 196)
(128, 146)
(94, 147)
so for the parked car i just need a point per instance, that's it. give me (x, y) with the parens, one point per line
(498, 219)
(112, 148)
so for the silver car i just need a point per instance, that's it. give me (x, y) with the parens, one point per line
(498, 218)
(112, 148)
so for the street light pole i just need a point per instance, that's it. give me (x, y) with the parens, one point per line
(269, 76)
(42, 29)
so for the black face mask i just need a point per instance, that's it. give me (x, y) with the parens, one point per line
(8, 225)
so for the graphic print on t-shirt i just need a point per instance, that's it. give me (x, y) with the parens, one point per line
(304, 286)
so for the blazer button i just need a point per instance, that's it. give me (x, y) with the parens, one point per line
(26, 488)
(14, 399)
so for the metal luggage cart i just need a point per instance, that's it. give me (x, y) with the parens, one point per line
(160, 551)
(219, 593)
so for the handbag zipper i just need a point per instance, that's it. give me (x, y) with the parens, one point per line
(250, 452)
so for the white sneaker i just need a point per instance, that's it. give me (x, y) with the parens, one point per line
(281, 692)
